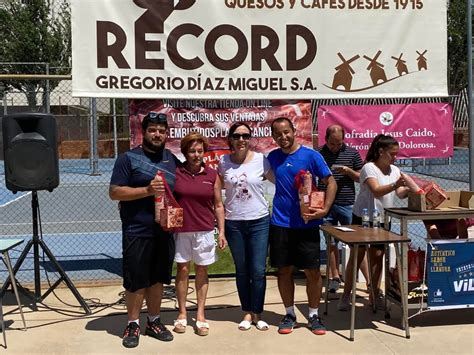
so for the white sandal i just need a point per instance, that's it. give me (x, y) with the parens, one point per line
(262, 325)
(180, 325)
(245, 325)
(202, 328)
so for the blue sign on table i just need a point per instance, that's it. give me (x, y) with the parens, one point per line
(451, 274)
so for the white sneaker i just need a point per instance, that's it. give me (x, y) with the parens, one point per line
(334, 285)
(344, 304)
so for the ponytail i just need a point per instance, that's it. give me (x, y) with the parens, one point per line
(380, 141)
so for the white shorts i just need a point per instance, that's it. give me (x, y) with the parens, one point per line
(199, 247)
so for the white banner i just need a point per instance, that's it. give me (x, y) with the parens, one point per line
(266, 49)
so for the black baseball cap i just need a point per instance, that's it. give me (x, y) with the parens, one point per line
(156, 118)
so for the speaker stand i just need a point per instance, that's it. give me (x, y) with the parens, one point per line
(36, 243)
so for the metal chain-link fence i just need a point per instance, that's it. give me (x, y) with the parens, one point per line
(81, 224)
(450, 173)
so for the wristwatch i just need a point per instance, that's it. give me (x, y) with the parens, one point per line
(394, 185)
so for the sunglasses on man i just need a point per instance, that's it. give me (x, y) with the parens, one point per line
(156, 117)
(237, 136)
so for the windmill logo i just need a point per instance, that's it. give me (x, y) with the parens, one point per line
(344, 73)
(422, 60)
(377, 72)
(401, 65)
(342, 80)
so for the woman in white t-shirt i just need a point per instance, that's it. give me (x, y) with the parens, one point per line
(380, 182)
(247, 220)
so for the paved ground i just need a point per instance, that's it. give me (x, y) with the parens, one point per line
(62, 328)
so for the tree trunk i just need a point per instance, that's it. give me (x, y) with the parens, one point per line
(31, 97)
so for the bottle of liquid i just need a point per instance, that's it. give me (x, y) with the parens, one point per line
(304, 193)
(159, 201)
(159, 205)
(365, 218)
(307, 183)
(376, 218)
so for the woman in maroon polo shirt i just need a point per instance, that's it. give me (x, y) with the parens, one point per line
(198, 192)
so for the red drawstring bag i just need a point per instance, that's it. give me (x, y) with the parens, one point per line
(413, 266)
(171, 216)
(302, 182)
(412, 185)
(422, 183)
(416, 264)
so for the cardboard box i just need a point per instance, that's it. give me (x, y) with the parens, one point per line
(171, 217)
(434, 195)
(454, 200)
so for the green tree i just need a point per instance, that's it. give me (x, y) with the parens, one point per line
(457, 45)
(31, 32)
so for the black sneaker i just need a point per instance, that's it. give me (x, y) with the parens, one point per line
(131, 335)
(157, 330)
(286, 324)
(316, 326)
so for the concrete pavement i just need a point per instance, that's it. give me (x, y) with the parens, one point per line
(60, 326)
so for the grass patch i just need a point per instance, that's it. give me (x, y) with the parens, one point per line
(224, 264)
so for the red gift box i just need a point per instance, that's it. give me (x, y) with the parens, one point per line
(171, 217)
(434, 195)
(316, 199)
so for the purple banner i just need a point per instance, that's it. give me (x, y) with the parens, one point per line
(423, 130)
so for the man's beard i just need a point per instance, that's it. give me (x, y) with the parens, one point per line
(150, 146)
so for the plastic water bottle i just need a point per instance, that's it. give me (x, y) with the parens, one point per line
(376, 218)
(365, 218)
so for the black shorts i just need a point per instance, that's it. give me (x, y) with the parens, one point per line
(147, 260)
(295, 247)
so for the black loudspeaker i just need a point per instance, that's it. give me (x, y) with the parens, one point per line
(30, 152)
